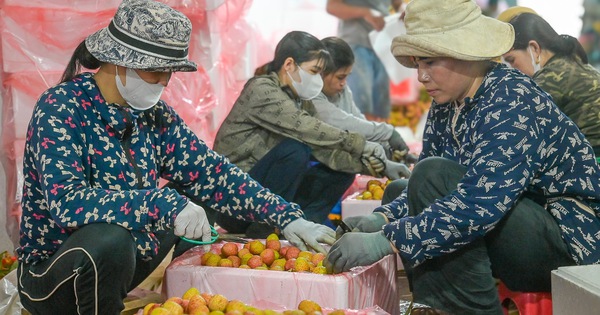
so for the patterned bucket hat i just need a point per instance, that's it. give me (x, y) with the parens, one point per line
(145, 35)
(450, 28)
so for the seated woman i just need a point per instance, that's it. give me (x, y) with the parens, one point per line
(506, 186)
(95, 222)
(272, 133)
(559, 65)
(335, 104)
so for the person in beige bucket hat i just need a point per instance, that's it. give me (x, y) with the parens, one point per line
(95, 219)
(506, 186)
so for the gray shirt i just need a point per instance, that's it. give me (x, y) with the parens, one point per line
(356, 31)
(340, 111)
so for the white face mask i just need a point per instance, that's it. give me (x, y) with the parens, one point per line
(138, 93)
(310, 85)
(536, 65)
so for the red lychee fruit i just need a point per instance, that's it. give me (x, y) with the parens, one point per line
(268, 256)
(255, 261)
(229, 249)
(292, 252)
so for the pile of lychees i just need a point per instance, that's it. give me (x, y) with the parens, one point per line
(195, 303)
(266, 255)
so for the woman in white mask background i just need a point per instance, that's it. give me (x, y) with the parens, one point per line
(95, 221)
(272, 133)
(559, 65)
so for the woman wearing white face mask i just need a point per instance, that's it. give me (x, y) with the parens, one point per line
(95, 222)
(138, 93)
(559, 65)
(272, 133)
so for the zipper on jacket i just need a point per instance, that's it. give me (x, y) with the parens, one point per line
(126, 144)
(458, 107)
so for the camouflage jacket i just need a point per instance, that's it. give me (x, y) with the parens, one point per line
(87, 162)
(575, 88)
(266, 112)
(513, 140)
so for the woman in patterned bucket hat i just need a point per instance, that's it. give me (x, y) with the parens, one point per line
(506, 186)
(95, 222)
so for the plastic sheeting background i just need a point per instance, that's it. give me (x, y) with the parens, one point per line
(230, 38)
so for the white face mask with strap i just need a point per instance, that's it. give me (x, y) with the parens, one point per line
(138, 93)
(537, 66)
(310, 85)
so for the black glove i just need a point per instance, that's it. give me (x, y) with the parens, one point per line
(397, 143)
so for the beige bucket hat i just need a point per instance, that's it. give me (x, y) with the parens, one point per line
(450, 28)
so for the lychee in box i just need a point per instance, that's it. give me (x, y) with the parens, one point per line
(361, 288)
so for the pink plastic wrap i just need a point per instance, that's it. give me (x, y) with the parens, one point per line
(359, 289)
(192, 96)
(43, 39)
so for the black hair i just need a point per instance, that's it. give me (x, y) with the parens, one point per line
(340, 52)
(529, 26)
(301, 46)
(81, 58)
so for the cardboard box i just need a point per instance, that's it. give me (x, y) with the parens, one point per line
(576, 290)
(353, 207)
(361, 288)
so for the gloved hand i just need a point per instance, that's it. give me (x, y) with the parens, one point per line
(373, 149)
(397, 143)
(363, 223)
(404, 157)
(372, 157)
(377, 166)
(303, 233)
(357, 249)
(192, 223)
(395, 170)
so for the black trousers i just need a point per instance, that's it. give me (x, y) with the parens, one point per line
(287, 170)
(91, 273)
(521, 250)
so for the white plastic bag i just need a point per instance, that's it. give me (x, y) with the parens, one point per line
(382, 41)
(10, 303)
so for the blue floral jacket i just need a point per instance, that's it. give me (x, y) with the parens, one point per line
(513, 140)
(87, 161)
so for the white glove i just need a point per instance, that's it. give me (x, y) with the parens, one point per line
(378, 165)
(192, 223)
(372, 157)
(395, 170)
(302, 233)
(373, 149)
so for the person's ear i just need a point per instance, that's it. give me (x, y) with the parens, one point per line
(289, 64)
(535, 48)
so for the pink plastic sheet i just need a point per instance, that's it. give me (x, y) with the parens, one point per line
(359, 289)
(43, 39)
